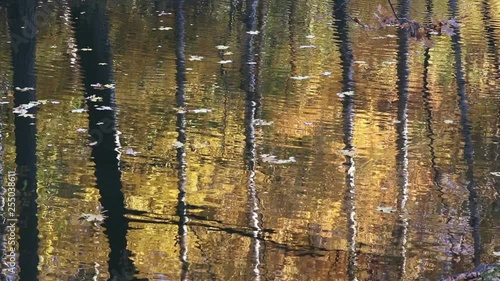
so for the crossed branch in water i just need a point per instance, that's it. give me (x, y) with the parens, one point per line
(418, 31)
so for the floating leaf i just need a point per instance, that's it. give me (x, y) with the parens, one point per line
(92, 217)
(251, 63)
(253, 32)
(79, 110)
(496, 174)
(202, 110)
(225, 61)
(228, 53)
(162, 28)
(102, 63)
(86, 49)
(81, 130)
(131, 151)
(326, 73)
(267, 158)
(222, 47)
(307, 47)
(347, 152)
(300, 77)
(260, 122)
(310, 36)
(344, 94)
(104, 108)
(448, 121)
(195, 58)
(25, 89)
(177, 144)
(387, 210)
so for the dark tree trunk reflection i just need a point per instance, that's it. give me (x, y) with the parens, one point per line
(252, 105)
(400, 234)
(341, 23)
(91, 31)
(463, 106)
(181, 137)
(21, 19)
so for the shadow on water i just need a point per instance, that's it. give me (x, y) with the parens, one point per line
(400, 232)
(341, 24)
(21, 19)
(180, 98)
(91, 31)
(467, 134)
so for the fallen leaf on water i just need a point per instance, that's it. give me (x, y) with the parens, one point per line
(253, 32)
(202, 110)
(131, 151)
(326, 73)
(344, 94)
(260, 122)
(496, 174)
(386, 210)
(307, 47)
(163, 28)
(25, 89)
(104, 108)
(267, 158)
(300, 77)
(177, 144)
(448, 121)
(225, 61)
(347, 152)
(228, 53)
(102, 63)
(310, 36)
(222, 47)
(81, 130)
(92, 217)
(79, 110)
(195, 58)
(360, 62)
(86, 49)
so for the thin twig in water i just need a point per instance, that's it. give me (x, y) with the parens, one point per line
(394, 12)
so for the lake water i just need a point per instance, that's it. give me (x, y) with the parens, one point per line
(248, 140)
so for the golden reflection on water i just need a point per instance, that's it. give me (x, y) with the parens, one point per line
(270, 221)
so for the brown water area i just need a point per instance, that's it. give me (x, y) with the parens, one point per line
(249, 139)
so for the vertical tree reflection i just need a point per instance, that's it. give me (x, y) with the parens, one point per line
(401, 230)
(91, 31)
(347, 60)
(181, 136)
(467, 135)
(21, 18)
(252, 105)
